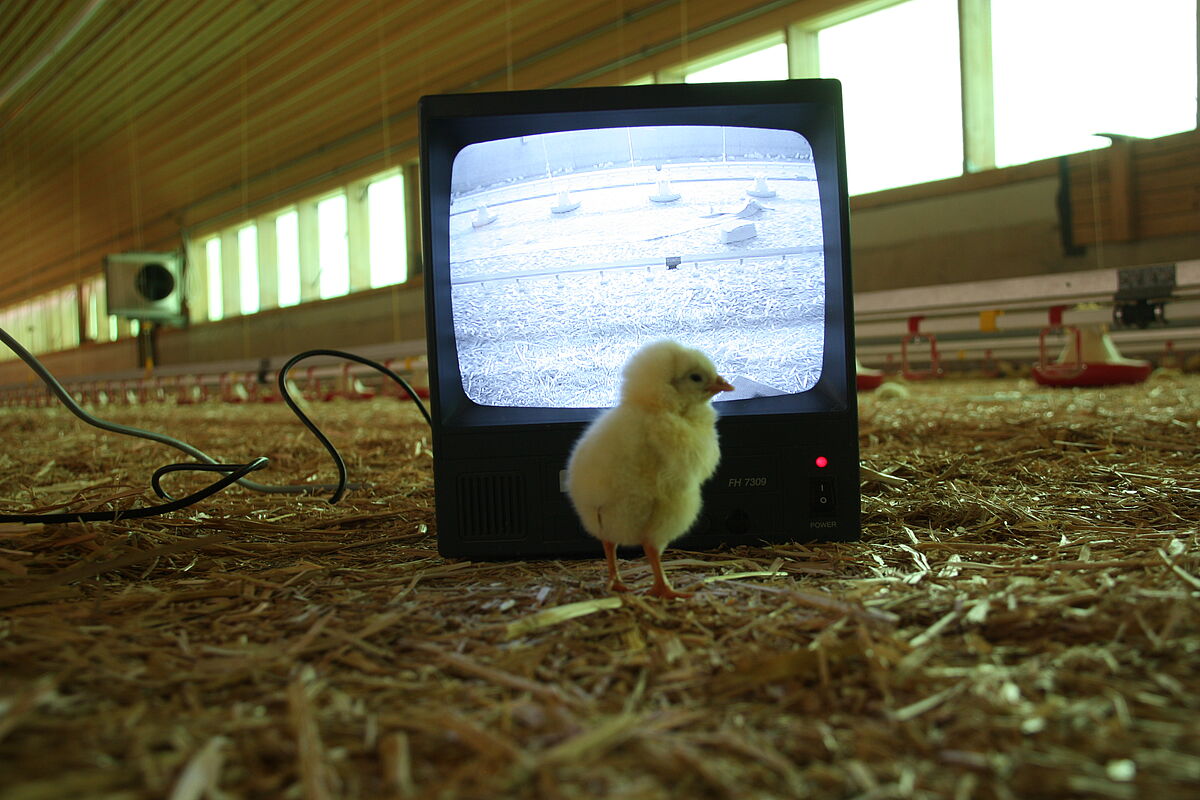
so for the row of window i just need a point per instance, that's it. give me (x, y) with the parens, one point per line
(325, 247)
(1050, 75)
(44, 324)
(1058, 72)
(52, 321)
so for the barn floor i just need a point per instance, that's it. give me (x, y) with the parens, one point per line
(1020, 620)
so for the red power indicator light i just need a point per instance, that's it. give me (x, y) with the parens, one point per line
(822, 461)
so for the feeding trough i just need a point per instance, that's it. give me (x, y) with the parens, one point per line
(738, 232)
(663, 193)
(867, 379)
(483, 216)
(914, 337)
(760, 188)
(564, 204)
(1089, 357)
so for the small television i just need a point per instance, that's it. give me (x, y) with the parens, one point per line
(565, 228)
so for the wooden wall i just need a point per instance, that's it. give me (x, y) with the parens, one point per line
(393, 314)
(1137, 189)
(160, 116)
(1004, 223)
(165, 116)
(1131, 204)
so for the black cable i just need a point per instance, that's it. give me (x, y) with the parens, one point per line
(210, 464)
(112, 427)
(236, 472)
(156, 478)
(324, 440)
(125, 430)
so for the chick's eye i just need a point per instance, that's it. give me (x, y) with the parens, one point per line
(695, 377)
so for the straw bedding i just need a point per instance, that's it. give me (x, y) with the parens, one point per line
(1019, 620)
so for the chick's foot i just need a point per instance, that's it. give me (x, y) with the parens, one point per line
(665, 591)
(614, 577)
(661, 587)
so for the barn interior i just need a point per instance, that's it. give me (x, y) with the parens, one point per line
(1017, 620)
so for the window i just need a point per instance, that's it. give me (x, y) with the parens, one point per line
(93, 308)
(24, 327)
(247, 239)
(287, 243)
(18, 324)
(67, 313)
(311, 243)
(389, 245)
(6, 322)
(334, 252)
(93, 317)
(45, 324)
(1069, 69)
(767, 62)
(212, 257)
(903, 103)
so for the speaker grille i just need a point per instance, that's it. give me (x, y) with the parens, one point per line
(491, 506)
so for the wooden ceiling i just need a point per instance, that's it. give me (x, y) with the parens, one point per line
(124, 122)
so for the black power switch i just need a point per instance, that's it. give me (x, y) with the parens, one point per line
(822, 498)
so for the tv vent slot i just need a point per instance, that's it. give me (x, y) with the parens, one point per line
(491, 506)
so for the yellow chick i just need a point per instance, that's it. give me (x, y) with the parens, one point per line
(634, 476)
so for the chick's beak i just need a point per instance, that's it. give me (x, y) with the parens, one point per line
(720, 385)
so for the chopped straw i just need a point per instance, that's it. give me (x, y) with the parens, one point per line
(1021, 619)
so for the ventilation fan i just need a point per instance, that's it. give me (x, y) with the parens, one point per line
(145, 286)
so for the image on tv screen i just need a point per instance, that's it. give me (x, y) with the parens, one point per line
(569, 250)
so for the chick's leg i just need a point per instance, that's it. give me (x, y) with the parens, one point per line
(614, 578)
(661, 587)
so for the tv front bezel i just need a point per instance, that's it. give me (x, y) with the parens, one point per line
(448, 123)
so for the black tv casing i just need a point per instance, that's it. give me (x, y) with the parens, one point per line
(498, 471)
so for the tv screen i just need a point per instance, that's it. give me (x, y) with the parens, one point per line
(571, 249)
(563, 229)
